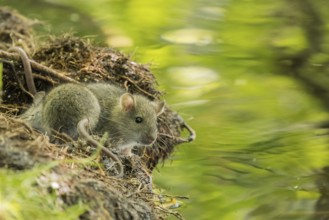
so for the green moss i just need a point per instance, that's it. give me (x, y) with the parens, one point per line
(21, 199)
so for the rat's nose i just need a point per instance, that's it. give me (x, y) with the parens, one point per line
(149, 139)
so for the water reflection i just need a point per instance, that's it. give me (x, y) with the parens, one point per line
(193, 81)
(191, 36)
(119, 41)
(192, 75)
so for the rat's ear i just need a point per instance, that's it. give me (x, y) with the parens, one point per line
(159, 107)
(127, 102)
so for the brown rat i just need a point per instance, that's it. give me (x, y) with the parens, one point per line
(130, 120)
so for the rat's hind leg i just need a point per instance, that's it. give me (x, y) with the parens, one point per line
(66, 105)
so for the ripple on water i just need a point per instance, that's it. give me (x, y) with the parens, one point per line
(193, 81)
(190, 36)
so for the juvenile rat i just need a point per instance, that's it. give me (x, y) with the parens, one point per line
(130, 120)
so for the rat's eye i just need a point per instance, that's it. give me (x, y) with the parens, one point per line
(138, 120)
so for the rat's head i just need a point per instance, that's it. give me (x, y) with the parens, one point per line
(135, 119)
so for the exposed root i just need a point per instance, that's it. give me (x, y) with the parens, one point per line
(27, 69)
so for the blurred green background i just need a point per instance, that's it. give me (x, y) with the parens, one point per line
(250, 76)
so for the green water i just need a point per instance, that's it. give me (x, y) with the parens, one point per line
(256, 153)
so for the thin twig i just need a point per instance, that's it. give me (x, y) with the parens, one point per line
(44, 78)
(139, 88)
(49, 71)
(188, 128)
(39, 68)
